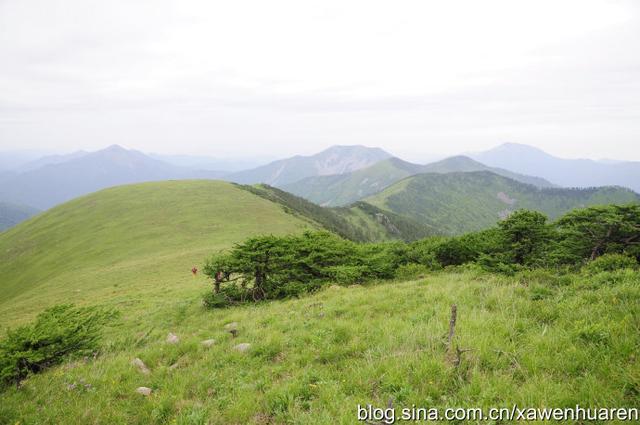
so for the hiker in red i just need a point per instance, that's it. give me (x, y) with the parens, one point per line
(194, 271)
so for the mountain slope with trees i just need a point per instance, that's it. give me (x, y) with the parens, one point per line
(340, 190)
(456, 203)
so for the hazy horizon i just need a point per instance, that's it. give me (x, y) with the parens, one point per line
(256, 160)
(272, 80)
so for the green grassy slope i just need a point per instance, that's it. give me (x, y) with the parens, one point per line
(360, 222)
(313, 360)
(12, 214)
(134, 245)
(461, 202)
(343, 189)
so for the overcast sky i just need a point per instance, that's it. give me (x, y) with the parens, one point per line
(276, 78)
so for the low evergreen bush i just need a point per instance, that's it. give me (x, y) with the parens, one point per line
(57, 333)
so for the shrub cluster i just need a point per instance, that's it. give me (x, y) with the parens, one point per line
(604, 238)
(57, 333)
(270, 267)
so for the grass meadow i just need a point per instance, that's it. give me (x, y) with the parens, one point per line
(312, 360)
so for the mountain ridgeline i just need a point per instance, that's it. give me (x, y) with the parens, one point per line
(563, 172)
(54, 180)
(360, 222)
(456, 203)
(332, 161)
(340, 190)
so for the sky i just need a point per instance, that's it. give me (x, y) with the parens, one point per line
(256, 78)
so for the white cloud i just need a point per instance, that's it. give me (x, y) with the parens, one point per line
(297, 76)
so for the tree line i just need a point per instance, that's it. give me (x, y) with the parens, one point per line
(272, 267)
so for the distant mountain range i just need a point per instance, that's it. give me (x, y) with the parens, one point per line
(335, 160)
(225, 165)
(337, 176)
(59, 180)
(563, 172)
(49, 160)
(343, 189)
(458, 202)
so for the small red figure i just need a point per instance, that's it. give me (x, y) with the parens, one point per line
(194, 271)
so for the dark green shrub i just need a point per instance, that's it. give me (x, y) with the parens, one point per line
(271, 267)
(610, 263)
(524, 236)
(601, 229)
(380, 261)
(215, 300)
(348, 275)
(454, 252)
(497, 263)
(423, 252)
(295, 289)
(56, 334)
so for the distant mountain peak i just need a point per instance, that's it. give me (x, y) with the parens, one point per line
(352, 148)
(518, 147)
(533, 161)
(115, 146)
(337, 159)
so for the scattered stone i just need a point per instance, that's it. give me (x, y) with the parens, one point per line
(242, 347)
(172, 338)
(146, 391)
(208, 342)
(230, 326)
(141, 366)
(72, 386)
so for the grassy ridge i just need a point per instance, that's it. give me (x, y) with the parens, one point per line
(361, 222)
(456, 203)
(343, 189)
(132, 245)
(313, 360)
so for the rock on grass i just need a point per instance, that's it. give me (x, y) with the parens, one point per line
(146, 391)
(141, 366)
(242, 347)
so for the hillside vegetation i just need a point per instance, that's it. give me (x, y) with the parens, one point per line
(343, 189)
(360, 222)
(456, 203)
(134, 245)
(529, 336)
